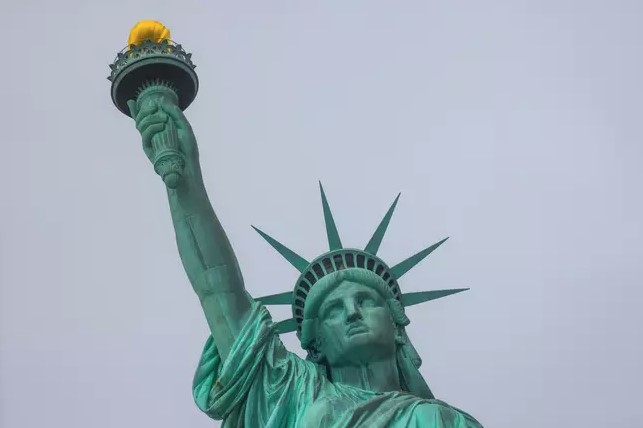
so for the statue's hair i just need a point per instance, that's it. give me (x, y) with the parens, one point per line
(329, 283)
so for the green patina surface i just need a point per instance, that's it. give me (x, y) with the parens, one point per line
(361, 369)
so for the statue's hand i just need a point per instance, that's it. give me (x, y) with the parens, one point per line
(167, 118)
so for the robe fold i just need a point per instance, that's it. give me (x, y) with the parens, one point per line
(262, 385)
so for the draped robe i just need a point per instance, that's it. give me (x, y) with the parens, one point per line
(261, 384)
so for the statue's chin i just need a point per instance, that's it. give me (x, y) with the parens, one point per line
(361, 340)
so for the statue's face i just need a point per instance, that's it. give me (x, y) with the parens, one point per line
(355, 326)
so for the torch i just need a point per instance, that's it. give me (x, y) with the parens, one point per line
(150, 69)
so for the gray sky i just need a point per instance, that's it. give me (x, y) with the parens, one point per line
(512, 126)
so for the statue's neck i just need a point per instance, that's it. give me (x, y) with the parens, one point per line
(376, 376)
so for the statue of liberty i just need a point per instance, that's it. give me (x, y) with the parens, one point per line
(361, 369)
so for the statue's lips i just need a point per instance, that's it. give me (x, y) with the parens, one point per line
(356, 329)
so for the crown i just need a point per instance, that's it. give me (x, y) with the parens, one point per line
(339, 258)
(152, 58)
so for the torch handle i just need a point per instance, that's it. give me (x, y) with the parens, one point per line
(168, 160)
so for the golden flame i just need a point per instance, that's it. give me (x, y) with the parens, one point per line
(148, 30)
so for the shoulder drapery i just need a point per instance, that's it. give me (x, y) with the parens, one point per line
(260, 383)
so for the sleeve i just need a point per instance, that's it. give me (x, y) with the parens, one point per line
(260, 383)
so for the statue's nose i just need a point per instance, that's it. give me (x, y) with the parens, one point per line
(354, 313)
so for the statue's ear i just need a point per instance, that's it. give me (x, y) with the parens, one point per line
(312, 342)
(397, 312)
(315, 353)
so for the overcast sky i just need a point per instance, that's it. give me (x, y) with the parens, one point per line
(514, 127)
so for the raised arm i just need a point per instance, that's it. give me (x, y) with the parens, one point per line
(205, 251)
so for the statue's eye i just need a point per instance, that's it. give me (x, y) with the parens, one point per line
(332, 312)
(335, 312)
(366, 301)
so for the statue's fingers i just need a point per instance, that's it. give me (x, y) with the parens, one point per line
(176, 114)
(146, 111)
(171, 124)
(151, 131)
(159, 117)
(133, 110)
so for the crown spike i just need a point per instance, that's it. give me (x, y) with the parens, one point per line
(294, 259)
(331, 230)
(403, 267)
(286, 326)
(375, 241)
(410, 299)
(277, 299)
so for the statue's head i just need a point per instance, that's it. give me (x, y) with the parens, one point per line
(348, 308)
(352, 318)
